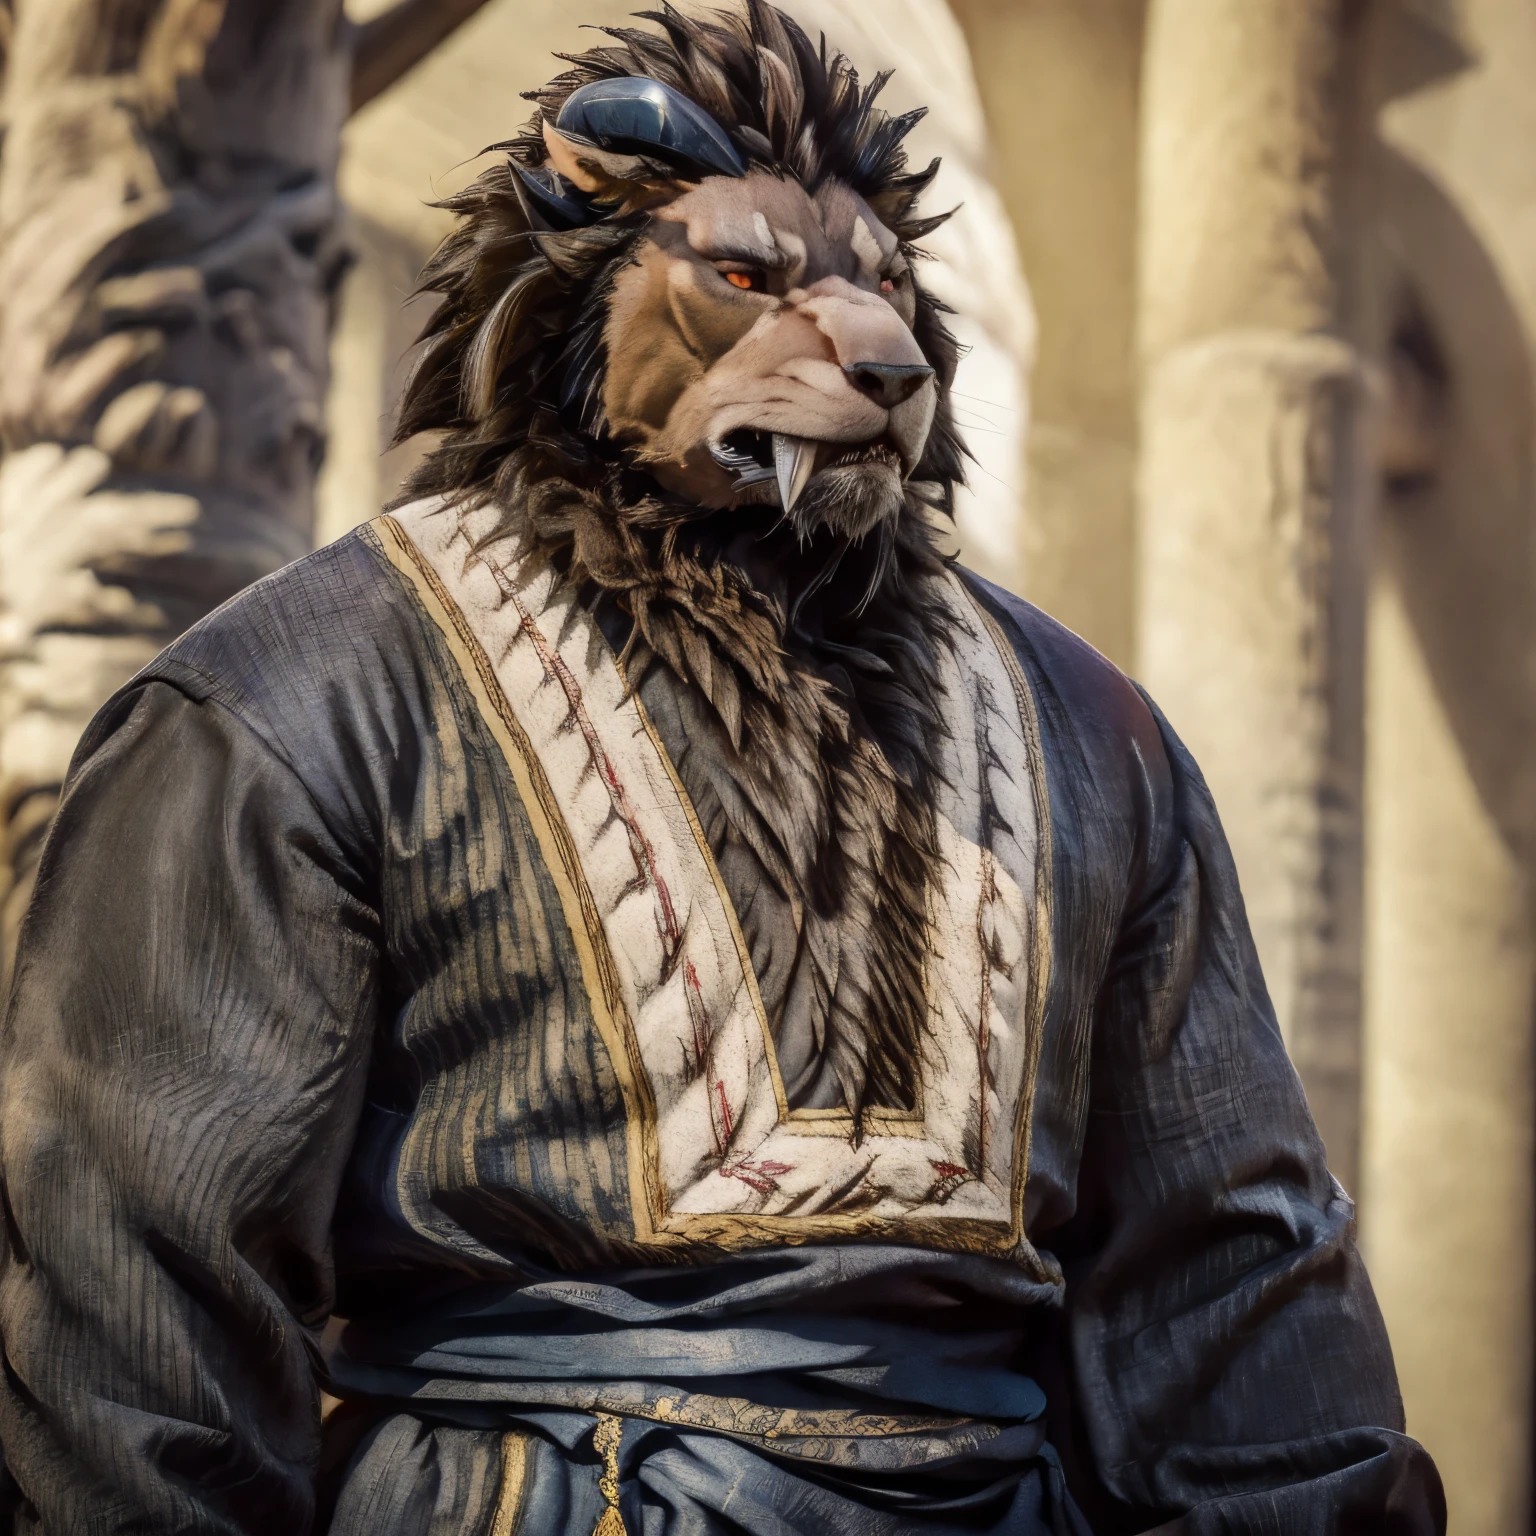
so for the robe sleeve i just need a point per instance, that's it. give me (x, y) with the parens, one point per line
(1231, 1372)
(181, 1069)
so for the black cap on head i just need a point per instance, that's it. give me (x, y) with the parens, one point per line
(638, 116)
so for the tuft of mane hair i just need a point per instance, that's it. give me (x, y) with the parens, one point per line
(808, 667)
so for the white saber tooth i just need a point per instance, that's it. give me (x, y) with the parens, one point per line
(793, 460)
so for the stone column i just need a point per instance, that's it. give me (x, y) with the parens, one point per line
(1449, 1166)
(1448, 1189)
(1254, 487)
(169, 239)
(170, 245)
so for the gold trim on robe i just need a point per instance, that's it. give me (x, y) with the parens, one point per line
(715, 1154)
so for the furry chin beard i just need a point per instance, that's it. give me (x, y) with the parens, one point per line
(848, 501)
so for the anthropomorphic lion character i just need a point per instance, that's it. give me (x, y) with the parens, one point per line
(752, 1027)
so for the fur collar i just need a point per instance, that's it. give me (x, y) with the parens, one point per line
(814, 673)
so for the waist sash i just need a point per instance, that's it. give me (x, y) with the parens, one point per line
(839, 1390)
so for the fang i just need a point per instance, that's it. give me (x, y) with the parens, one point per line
(793, 459)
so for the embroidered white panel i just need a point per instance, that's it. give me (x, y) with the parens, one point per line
(697, 1054)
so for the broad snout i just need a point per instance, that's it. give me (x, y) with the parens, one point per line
(831, 364)
(878, 355)
(861, 326)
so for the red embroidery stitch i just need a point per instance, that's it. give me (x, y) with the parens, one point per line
(763, 1176)
(641, 851)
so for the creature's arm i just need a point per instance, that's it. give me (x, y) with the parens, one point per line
(1232, 1373)
(183, 1059)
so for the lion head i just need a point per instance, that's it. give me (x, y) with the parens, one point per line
(698, 262)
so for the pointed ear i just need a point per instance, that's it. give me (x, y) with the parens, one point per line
(632, 181)
(567, 157)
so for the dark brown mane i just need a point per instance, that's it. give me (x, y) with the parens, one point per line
(811, 664)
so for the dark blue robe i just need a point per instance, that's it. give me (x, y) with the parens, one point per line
(279, 1050)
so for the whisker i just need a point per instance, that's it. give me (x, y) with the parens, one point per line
(1006, 485)
(960, 394)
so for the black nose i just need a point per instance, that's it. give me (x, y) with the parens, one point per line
(888, 384)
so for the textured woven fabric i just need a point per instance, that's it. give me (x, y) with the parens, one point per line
(299, 1028)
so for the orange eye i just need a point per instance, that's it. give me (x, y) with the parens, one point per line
(739, 279)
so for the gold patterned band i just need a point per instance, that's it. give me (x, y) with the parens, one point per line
(605, 1441)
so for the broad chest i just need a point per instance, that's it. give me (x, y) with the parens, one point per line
(712, 1151)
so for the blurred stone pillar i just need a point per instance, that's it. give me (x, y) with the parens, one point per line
(1449, 1196)
(1254, 490)
(170, 246)
(1447, 1222)
(169, 240)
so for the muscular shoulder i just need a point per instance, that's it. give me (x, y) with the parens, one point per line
(323, 662)
(1077, 687)
(277, 649)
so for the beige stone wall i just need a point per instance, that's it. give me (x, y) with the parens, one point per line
(1447, 1183)
(375, 327)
